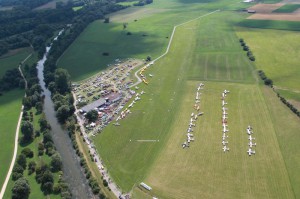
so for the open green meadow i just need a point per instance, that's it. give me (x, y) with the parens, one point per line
(10, 107)
(204, 50)
(204, 170)
(270, 24)
(13, 60)
(276, 54)
(287, 8)
(150, 29)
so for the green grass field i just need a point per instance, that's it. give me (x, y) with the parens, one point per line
(13, 60)
(287, 8)
(10, 107)
(204, 167)
(150, 35)
(270, 24)
(277, 56)
(205, 50)
(77, 8)
(127, 3)
(34, 186)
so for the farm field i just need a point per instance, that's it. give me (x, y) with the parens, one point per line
(287, 8)
(276, 57)
(10, 107)
(11, 61)
(270, 24)
(129, 161)
(204, 50)
(150, 35)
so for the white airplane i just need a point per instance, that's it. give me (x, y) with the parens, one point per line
(249, 132)
(224, 137)
(224, 113)
(142, 92)
(133, 101)
(190, 135)
(136, 88)
(192, 115)
(251, 144)
(201, 113)
(224, 108)
(198, 89)
(130, 105)
(190, 130)
(225, 129)
(191, 124)
(185, 145)
(225, 148)
(251, 138)
(224, 142)
(195, 117)
(192, 120)
(150, 75)
(137, 99)
(223, 95)
(201, 84)
(224, 103)
(250, 152)
(197, 101)
(224, 117)
(226, 91)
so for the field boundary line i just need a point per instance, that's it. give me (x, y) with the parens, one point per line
(170, 42)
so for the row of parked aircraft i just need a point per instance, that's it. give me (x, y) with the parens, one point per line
(250, 138)
(224, 122)
(194, 116)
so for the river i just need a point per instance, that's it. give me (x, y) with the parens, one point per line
(71, 166)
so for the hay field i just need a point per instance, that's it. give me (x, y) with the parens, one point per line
(277, 57)
(204, 170)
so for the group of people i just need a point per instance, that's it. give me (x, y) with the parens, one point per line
(194, 116)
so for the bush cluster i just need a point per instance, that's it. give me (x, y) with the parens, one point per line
(266, 80)
(246, 48)
(289, 105)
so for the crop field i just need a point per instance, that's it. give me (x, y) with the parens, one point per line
(12, 60)
(9, 114)
(276, 57)
(287, 8)
(270, 24)
(150, 29)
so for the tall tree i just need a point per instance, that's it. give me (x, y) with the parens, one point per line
(21, 189)
(27, 130)
(62, 80)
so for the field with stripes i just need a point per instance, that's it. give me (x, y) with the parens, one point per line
(148, 144)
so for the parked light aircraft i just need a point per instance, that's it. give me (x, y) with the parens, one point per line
(251, 138)
(225, 148)
(251, 144)
(224, 142)
(250, 152)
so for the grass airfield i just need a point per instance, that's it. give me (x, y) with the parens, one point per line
(205, 50)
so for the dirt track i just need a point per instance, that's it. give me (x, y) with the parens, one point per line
(264, 12)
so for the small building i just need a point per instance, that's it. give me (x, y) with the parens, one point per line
(251, 11)
(93, 105)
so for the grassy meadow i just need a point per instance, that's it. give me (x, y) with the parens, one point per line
(277, 57)
(150, 28)
(269, 24)
(287, 8)
(205, 50)
(10, 107)
(13, 59)
(204, 169)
